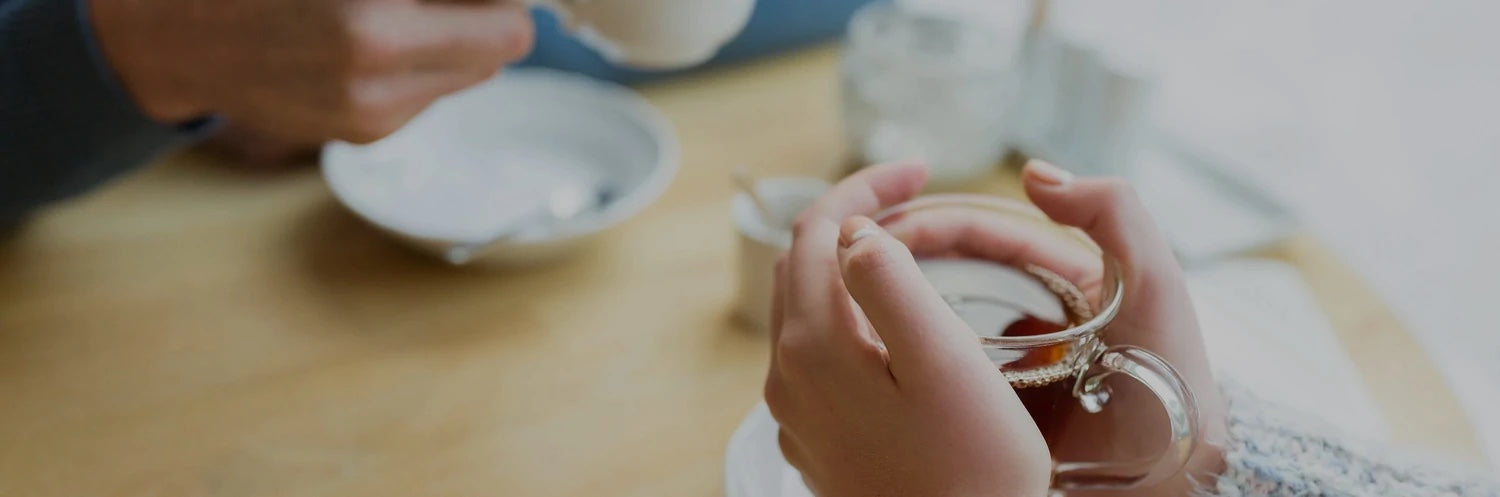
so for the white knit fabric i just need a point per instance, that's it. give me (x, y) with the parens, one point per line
(1276, 452)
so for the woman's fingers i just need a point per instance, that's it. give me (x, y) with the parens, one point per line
(1111, 213)
(922, 335)
(1158, 313)
(814, 289)
(1009, 240)
(869, 190)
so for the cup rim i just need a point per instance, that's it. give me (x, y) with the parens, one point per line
(747, 220)
(1112, 277)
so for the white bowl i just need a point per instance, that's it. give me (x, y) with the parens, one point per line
(480, 162)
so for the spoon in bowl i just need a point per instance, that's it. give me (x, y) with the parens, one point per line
(564, 203)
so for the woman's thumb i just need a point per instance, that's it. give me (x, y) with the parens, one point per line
(916, 324)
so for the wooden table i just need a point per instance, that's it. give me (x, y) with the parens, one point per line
(201, 330)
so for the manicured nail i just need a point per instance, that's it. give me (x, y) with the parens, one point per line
(1049, 174)
(855, 229)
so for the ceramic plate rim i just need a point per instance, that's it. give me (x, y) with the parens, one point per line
(630, 105)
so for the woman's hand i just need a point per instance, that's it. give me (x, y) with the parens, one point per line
(924, 414)
(932, 416)
(1157, 315)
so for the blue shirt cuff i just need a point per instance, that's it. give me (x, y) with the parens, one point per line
(192, 129)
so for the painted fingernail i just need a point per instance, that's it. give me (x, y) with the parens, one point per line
(855, 229)
(1048, 174)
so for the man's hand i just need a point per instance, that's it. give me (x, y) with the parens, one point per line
(312, 70)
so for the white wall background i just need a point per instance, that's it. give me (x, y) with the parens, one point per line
(1401, 166)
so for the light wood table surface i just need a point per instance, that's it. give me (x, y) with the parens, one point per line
(201, 330)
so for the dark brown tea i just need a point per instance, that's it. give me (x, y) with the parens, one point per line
(997, 300)
(1048, 402)
(1003, 301)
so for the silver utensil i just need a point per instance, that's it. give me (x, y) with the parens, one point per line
(563, 204)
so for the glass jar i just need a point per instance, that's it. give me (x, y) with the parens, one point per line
(928, 85)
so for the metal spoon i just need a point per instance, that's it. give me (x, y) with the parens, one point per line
(563, 204)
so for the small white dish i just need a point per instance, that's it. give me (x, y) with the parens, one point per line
(762, 241)
(484, 161)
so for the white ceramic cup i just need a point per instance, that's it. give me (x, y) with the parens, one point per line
(654, 34)
(762, 241)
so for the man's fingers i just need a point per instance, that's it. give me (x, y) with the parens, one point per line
(464, 37)
(379, 106)
(921, 333)
(403, 56)
(475, 36)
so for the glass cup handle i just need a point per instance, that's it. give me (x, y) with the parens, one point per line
(1182, 413)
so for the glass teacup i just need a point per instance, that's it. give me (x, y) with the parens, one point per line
(1039, 297)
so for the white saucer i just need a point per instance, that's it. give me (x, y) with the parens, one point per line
(485, 160)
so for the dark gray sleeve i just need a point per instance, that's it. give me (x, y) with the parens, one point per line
(66, 125)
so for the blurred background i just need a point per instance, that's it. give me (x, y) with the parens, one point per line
(1396, 161)
(1370, 125)
(1326, 171)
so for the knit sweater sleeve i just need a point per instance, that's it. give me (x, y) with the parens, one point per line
(1276, 453)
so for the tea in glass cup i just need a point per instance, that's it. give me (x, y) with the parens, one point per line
(1039, 297)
